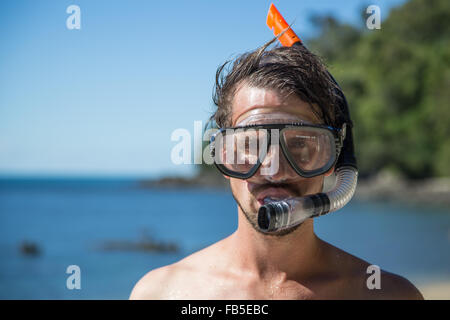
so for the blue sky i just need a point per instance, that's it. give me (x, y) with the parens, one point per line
(104, 100)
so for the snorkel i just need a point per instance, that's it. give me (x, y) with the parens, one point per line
(277, 215)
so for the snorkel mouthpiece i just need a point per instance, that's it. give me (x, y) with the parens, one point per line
(278, 215)
(273, 216)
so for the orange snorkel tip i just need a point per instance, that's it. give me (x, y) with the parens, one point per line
(276, 22)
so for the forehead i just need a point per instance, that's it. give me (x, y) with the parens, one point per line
(249, 100)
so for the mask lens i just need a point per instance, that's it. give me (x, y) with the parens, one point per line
(240, 150)
(310, 149)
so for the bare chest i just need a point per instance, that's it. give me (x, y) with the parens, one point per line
(234, 290)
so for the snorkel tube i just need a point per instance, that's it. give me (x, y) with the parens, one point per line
(277, 215)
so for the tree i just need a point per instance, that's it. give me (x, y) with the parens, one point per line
(397, 82)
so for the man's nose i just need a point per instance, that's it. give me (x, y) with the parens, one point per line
(275, 166)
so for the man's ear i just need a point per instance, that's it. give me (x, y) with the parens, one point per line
(329, 172)
(226, 177)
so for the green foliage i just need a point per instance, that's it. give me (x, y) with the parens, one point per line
(397, 82)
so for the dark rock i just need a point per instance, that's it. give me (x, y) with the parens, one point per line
(29, 248)
(145, 243)
(204, 179)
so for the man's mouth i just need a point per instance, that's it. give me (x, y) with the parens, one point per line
(272, 194)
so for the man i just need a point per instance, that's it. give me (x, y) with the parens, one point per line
(282, 85)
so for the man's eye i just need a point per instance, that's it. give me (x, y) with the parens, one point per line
(297, 143)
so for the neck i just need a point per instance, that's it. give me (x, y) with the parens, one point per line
(294, 255)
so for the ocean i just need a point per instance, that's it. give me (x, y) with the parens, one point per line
(70, 219)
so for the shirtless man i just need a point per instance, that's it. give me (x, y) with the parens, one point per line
(289, 83)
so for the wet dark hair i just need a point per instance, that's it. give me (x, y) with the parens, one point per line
(288, 70)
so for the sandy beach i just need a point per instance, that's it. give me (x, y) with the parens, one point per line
(436, 290)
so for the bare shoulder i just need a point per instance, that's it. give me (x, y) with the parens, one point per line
(394, 286)
(363, 280)
(179, 280)
(154, 285)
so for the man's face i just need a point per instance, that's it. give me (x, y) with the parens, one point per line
(284, 182)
